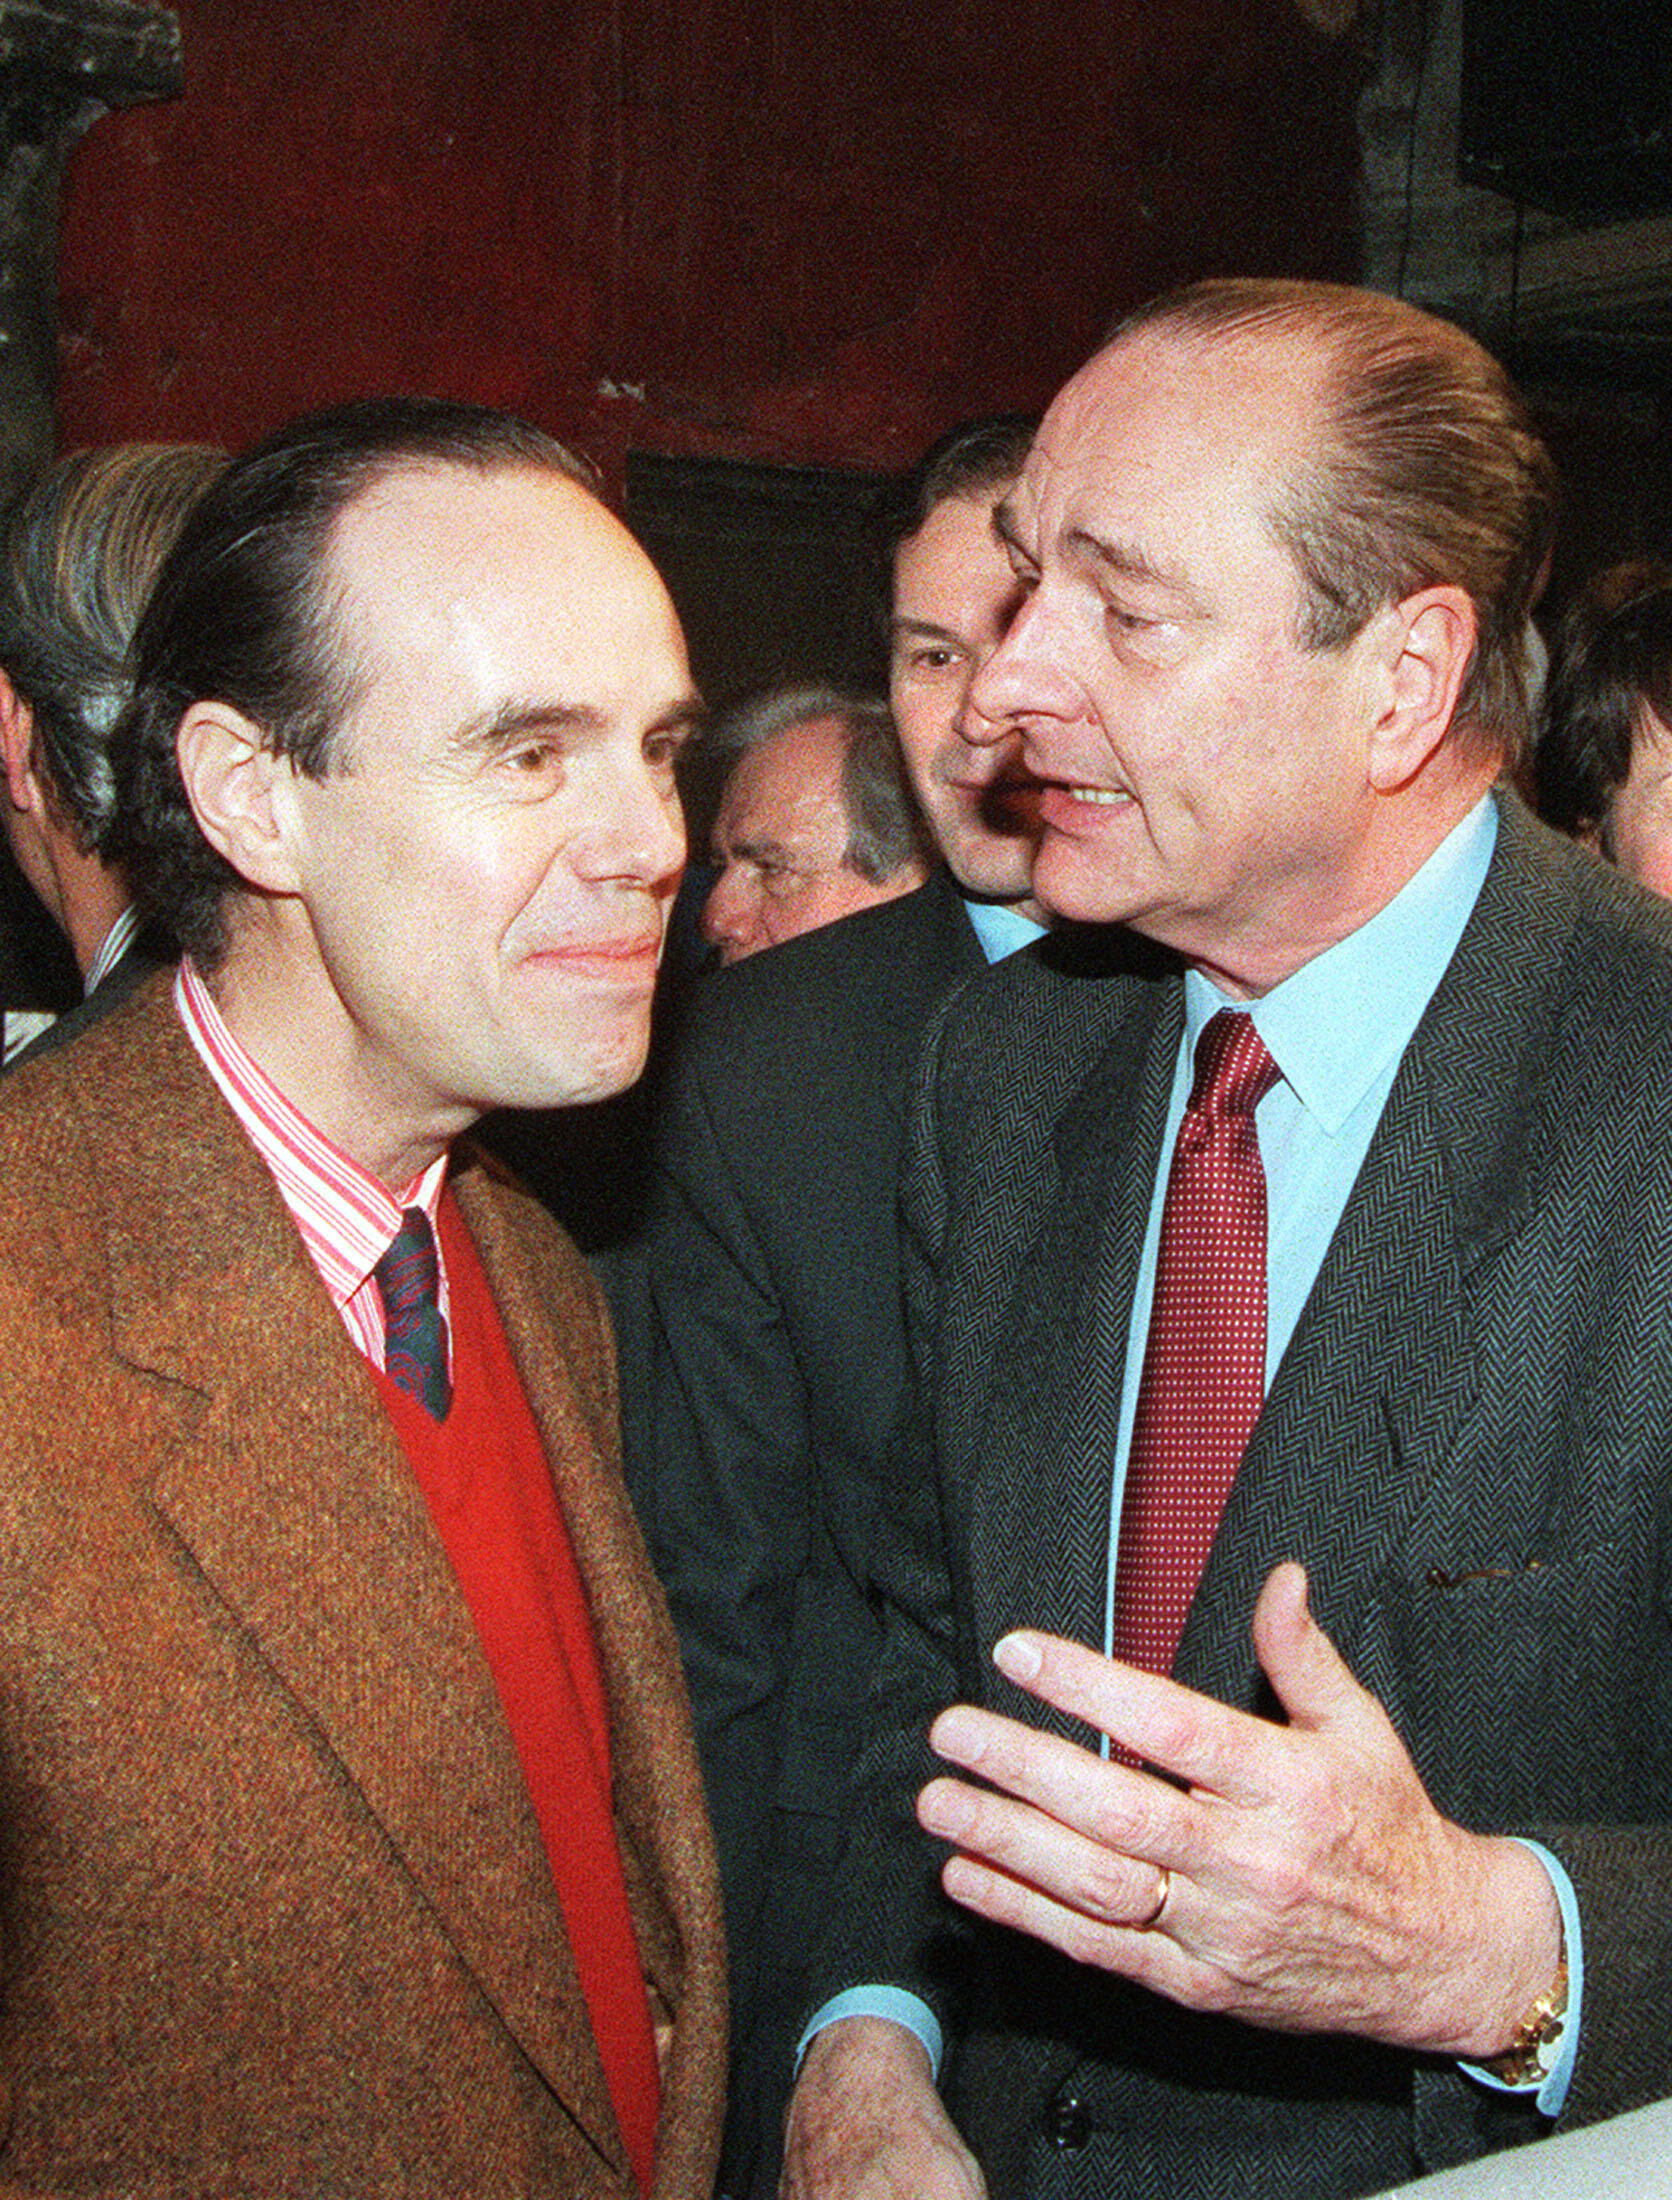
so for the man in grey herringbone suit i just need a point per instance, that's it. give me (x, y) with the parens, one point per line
(1377, 1878)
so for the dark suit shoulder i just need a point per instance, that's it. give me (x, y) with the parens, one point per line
(149, 953)
(1037, 1024)
(1556, 1010)
(894, 961)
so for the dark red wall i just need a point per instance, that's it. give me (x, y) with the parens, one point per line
(802, 231)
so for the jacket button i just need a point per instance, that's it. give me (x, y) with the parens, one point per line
(1067, 2123)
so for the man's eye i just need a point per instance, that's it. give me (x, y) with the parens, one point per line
(783, 879)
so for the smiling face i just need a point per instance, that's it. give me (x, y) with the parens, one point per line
(1206, 776)
(478, 889)
(954, 594)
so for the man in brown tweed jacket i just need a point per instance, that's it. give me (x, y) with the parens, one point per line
(351, 1838)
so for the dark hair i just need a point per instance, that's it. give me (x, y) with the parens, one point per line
(1426, 469)
(885, 832)
(976, 458)
(246, 612)
(1613, 658)
(77, 558)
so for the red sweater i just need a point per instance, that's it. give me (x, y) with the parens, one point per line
(484, 1477)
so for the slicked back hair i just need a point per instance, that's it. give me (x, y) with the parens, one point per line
(78, 555)
(246, 612)
(1425, 470)
(885, 832)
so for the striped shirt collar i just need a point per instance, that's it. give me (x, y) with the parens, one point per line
(112, 948)
(348, 1220)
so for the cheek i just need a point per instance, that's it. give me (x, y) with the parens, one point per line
(1643, 847)
(923, 717)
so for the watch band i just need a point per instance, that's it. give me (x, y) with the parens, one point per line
(1531, 2054)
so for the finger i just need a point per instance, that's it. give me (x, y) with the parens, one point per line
(1227, 1753)
(1312, 1680)
(1076, 1871)
(1149, 1958)
(1111, 1803)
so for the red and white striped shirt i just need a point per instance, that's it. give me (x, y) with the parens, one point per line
(348, 1220)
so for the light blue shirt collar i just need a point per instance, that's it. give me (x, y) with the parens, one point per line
(1001, 929)
(1342, 1021)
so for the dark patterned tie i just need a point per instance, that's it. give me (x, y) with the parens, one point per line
(415, 1336)
(1205, 1357)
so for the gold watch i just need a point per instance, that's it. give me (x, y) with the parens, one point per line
(1531, 2053)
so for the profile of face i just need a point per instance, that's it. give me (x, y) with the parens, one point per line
(1637, 832)
(474, 896)
(954, 595)
(1204, 774)
(779, 843)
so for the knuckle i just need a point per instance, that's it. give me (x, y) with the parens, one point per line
(1108, 1888)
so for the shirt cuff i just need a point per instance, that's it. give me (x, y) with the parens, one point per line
(892, 2002)
(1551, 2090)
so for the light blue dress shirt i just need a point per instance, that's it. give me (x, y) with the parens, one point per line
(1001, 929)
(1337, 1030)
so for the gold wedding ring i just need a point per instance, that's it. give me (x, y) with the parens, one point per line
(1163, 1888)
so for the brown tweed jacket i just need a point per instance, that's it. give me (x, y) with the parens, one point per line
(274, 1913)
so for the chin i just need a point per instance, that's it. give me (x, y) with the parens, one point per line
(571, 1074)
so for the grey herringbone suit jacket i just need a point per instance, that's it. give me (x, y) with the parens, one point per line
(1467, 1443)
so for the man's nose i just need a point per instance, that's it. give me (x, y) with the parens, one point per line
(639, 833)
(728, 913)
(972, 724)
(1024, 677)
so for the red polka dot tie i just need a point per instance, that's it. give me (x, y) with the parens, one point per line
(1205, 1358)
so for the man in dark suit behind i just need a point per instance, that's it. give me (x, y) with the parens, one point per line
(352, 1825)
(774, 1271)
(77, 557)
(1285, 1931)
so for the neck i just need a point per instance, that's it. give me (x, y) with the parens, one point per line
(91, 897)
(280, 1005)
(1244, 967)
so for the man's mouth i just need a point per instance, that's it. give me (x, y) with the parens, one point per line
(621, 951)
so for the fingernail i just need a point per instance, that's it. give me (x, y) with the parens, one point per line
(958, 1735)
(944, 1808)
(1017, 1658)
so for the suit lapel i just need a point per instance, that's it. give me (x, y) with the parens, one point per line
(930, 946)
(1040, 1505)
(289, 1490)
(1384, 1366)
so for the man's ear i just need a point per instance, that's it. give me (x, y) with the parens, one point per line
(1429, 640)
(17, 748)
(230, 777)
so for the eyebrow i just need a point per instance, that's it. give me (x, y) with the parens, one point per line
(750, 850)
(1123, 559)
(511, 720)
(1128, 561)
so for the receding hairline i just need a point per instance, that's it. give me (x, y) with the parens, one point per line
(1275, 449)
(342, 591)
